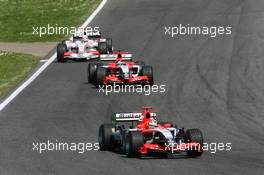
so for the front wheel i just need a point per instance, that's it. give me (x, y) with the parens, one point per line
(61, 49)
(100, 74)
(91, 72)
(134, 141)
(194, 136)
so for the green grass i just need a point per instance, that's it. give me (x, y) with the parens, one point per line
(13, 68)
(18, 17)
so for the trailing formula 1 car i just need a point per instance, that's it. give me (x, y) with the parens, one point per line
(145, 136)
(120, 71)
(84, 46)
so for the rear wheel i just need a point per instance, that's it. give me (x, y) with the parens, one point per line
(102, 47)
(148, 71)
(61, 49)
(109, 43)
(105, 134)
(194, 135)
(134, 141)
(100, 74)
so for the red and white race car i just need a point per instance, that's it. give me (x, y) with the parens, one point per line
(148, 137)
(84, 46)
(120, 71)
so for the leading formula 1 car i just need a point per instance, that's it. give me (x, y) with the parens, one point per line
(148, 137)
(121, 71)
(84, 46)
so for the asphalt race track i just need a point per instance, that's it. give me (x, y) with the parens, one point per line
(215, 84)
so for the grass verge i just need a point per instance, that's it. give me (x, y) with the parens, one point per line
(13, 68)
(18, 17)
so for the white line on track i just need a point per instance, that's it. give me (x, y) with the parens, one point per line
(47, 63)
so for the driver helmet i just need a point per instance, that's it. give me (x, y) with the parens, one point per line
(152, 120)
(153, 123)
(124, 69)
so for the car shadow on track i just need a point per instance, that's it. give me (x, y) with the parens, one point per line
(153, 157)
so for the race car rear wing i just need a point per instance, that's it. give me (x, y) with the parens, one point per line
(129, 117)
(112, 57)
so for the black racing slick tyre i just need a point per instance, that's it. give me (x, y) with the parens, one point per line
(109, 43)
(134, 141)
(100, 74)
(104, 137)
(194, 135)
(148, 71)
(91, 72)
(61, 49)
(102, 47)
